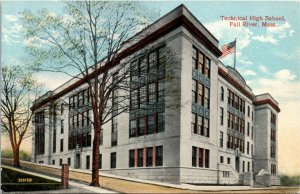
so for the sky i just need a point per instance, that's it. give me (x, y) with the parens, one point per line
(267, 57)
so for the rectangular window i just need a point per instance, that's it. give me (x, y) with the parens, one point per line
(248, 128)
(206, 98)
(200, 93)
(140, 157)
(248, 147)
(194, 121)
(248, 167)
(206, 158)
(221, 115)
(228, 160)
(201, 62)
(69, 161)
(194, 156)
(160, 122)
(194, 91)
(60, 162)
(62, 145)
(100, 161)
(141, 126)
(113, 160)
(200, 125)
(221, 139)
(206, 127)
(243, 166)
(149, 156)
(53, 162)
(194, 59)
(87, 162)
(62, 126)
(132, 132)
(159, 156)
(61, 108)
(221, 159)
(131, 158)
(200, 159)
(207, 67)
(150, 123)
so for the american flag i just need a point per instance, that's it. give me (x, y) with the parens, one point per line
(228, 48)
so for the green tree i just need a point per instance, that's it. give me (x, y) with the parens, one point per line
(19, 90)
(83, 41)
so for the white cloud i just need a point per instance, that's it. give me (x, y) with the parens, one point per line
(11, 18)
(51, 80)
(34, 42)
(222, 31)
(263, 69)
(12, 30)
(245, 62)
(249, 73)
(285, 75)
(290, 56)
(265, 39)
(274, 34)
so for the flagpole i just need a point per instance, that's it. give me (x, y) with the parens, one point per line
(234, 54)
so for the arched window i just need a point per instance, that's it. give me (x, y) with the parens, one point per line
(222, 94)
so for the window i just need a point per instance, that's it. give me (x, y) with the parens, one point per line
(221, 159)
(141, 126)
(53, 162)
(62, 145)
(132, 132)
(200, 125)
(248, 112)
(150, 123)
(221, 115)
(194, 91)
(62, 126)
(140, 157)
(207, 67)
(194, 59)
(60, 162)
(87, 162)
(54, 139)
(248, 128)
(228, 160)
(201, 62)
(222, 94)
(194, 156)
(113, 160)
(221, 139)
(200, 93)
(200, 162)
(194, 121)
(206, 127)
(131, 158)
(206, 158)
(159, 156)
(149, 156)
(61, 108)
(100, 161)
(206, 98)
(248, 167)
(69, 161)
(251, 149)
(248, 147)
(243, 166)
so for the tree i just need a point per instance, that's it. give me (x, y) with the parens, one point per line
(82, 42)
(19, 90)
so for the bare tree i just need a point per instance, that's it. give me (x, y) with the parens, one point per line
(84, 42)
(19, 90)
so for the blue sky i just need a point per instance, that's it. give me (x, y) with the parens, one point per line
(268, 58)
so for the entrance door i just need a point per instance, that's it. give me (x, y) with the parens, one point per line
(237, 164)
(77, 159)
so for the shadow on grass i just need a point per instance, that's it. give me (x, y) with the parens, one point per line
(14, 180)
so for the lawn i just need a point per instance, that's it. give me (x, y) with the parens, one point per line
(16, 180)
